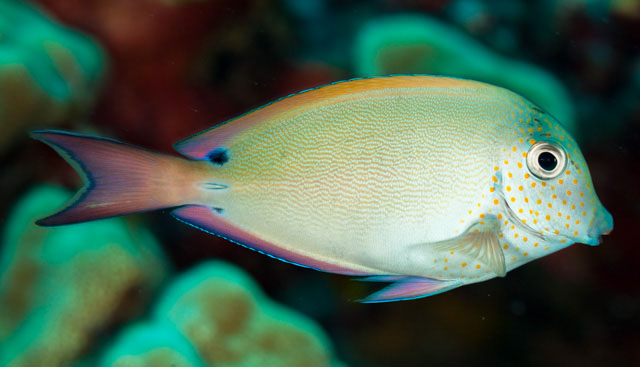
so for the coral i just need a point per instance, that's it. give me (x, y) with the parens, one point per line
(229, 321)
(60, 287)
(48, 73)
(151, 344)
(406, 44)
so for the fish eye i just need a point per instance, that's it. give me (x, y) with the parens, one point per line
(546, 160)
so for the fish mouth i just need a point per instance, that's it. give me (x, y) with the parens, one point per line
(601, 225)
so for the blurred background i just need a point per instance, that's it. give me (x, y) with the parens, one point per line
(148, 290)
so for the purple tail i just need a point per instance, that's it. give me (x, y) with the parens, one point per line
(118, 178)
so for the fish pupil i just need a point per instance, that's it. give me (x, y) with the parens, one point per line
(547, 161)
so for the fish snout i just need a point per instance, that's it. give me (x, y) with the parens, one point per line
(601, 224)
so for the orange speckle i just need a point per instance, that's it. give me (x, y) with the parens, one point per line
(446, 267)
(535, 221)
(513, 148)
(463, 264)
(577, 221)
(559, 214)
(499, 216)
(494, 178)
(544, 184)
(492, 189)
(561, 181)
(524, 155)
(513, 200)
(519, 165)
(573, 206)
(495, 168)
(569, 192)
(535, 244)
(549, 205)
(478, 266)
(515, 235)
(446, 260)
(520, 210)
(533, 184)
(581, 194)
(568, 172)
(532, 141)
(500, 235)
(524, 239)
(506, 161)
(510, 174)
(566, 225)
(584, 214)
(564, 202)
(520, 188)
(505, 246)
(539, 202)
(575, 182)
(526, 199)
(508, 188)
(547, 217)
(575, 233)
(469, 211)
(554, 196)
(513, 259)
(568, 217)
(495, 201)
(525, 254)
(556, 232)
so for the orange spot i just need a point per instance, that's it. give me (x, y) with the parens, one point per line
(532, 141)
(495, 168)
(561, 181)
(524, 155)
(520, 210)
(513, 200)
(524, 239)
(526, 200)
(581, 194)
(478, 266)
(514, 149)
(575, 233)
(506, 161)
(556, 232)
(499, 216)
(525, 254)
(451, 252)
(508, 188)
(549, 205)
(539, 202)
(446, 267)
(535, 221)
(500, 235)
(520, 188)
(463, 264)
(505, 247)
(564, 202)
(481, 215)
(494, 178)
(568, 172)
(577, 221)
(491, 189)
(569, 192)
(544, 184)
(554, 196)
(575, 182)
(519, 165)
(533, 184)
(566, 225)
(573, 206)
(547, 217)
(535, 244)
(495, 201)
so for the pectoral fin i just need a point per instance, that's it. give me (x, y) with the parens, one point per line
(480, 243)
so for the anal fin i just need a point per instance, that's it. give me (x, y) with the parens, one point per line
(407, 287)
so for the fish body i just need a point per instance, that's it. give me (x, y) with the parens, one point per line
(426, 182)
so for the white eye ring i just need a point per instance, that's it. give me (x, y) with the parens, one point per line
(545, 160)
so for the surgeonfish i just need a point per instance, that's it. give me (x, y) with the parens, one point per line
(428, 183)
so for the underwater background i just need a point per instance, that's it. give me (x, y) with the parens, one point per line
(149, 290)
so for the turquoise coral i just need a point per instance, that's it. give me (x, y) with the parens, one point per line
(48, 73)
(61, 286)
(407, 44)
(230, 322)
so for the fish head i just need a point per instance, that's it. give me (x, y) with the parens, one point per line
(546, 183)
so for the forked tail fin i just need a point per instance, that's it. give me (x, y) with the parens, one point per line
(118, 178)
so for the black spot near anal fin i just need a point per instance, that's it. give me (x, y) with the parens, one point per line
(218, 210)
(219, 156)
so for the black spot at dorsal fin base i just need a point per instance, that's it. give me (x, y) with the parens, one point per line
(219, 156)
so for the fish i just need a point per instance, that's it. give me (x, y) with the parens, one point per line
(427, 183)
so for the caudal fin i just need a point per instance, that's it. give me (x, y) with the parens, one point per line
(118, 178)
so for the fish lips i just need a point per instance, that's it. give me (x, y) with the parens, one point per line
(601, 224)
